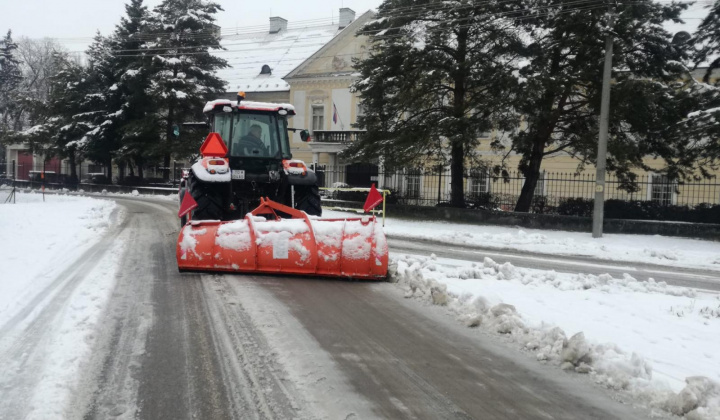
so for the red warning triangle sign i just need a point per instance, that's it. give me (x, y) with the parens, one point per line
(188, 203)
(373, 199)
(213, 146)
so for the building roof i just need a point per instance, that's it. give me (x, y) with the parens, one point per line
(281, 52)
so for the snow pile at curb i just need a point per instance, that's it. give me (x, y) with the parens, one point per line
(53, 293)
(463, 291)
(655, 249)
(39, 239)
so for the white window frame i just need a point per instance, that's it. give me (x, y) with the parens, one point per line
(474, 181)
(542, 183)
(406, 183)
(321, 117)
(672, 185)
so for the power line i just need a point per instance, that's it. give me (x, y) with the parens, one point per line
(144, 51)
(413, 11)
(407, 11)
(225, 32)
(578, 5)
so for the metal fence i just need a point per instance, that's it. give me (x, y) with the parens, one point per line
(422, 186)
(56, 172)
(485, 189)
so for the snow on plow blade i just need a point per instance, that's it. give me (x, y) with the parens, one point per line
(353, 247)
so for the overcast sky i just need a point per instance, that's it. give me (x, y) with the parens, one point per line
(73, 22)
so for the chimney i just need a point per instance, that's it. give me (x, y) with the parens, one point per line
(347, 15)
(277, 24)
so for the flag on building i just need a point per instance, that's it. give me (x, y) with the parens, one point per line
(335, 114)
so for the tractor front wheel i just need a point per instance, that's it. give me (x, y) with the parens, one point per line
(307, 199)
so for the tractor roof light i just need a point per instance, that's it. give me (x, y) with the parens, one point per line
(240, 97)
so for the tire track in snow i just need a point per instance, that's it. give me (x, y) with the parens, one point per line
(246, 359)
(109, 384)
(25, 337)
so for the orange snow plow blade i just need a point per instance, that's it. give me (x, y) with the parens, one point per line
(294, 244)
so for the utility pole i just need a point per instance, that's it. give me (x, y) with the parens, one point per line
(598, 210)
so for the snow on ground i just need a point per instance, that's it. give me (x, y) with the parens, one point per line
(72, 338)
(38, 241)
(655, 249)
(657, 342)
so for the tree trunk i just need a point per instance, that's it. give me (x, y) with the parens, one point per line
(73, 169)
(109, 170)
(532, 174)
(140, 172)
(169, 136)
(457, 169)
(457, 152)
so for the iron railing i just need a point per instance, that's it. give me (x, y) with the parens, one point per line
(485, 189)
(57, 172)
(322, 136)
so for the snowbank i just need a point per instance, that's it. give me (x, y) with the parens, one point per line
(39, 239)
(661, 250)
(170, 196)
(40, 244)
(657, 342)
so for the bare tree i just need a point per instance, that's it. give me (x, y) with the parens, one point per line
(38, 65)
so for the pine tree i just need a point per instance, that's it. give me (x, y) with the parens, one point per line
(10, 79)
(104, 104)
(702, 127)
(707, 41)
(437, 76)
(561, 96)
(182, 74)
(139, 130)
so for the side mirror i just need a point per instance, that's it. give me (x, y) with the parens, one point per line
(305, 136)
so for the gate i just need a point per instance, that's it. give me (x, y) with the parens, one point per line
(361, 174)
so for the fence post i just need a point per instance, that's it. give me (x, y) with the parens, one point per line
(384, 193)
(42, 178)
(439, 199)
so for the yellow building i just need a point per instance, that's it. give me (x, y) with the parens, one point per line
(314, 74)
(320, 92)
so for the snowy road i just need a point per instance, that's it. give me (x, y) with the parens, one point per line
(173, 345)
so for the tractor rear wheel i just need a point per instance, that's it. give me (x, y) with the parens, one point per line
(307, 199)
(209, 197)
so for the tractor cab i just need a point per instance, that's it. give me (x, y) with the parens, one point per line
(254, 130)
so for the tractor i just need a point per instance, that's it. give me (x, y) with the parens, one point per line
(257, 163)
(255, 208)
